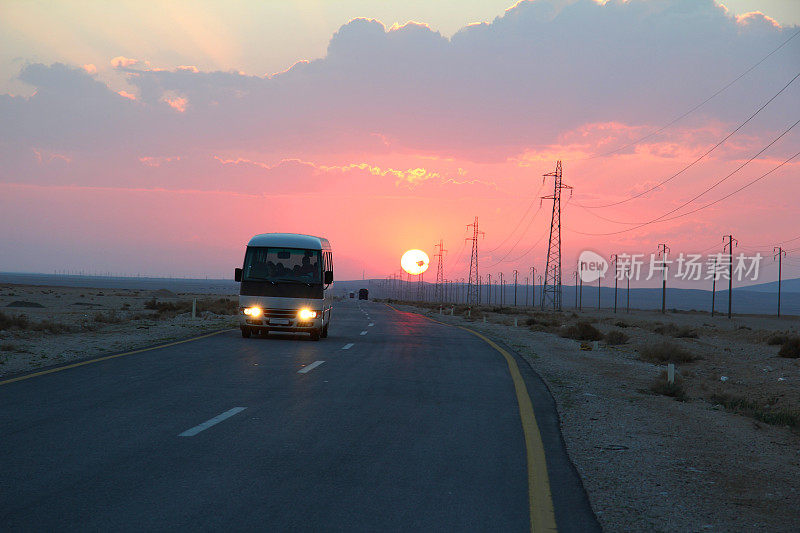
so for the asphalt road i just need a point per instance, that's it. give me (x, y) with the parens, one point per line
(394, 422)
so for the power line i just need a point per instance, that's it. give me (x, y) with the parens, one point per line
(530, 222)
(690, 165)
(518, 223)
(663, 217)
(695, 108)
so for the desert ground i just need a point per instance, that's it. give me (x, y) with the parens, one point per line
(718, 450)
(44, 326)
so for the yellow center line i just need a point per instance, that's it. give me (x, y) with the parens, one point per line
(540, 499)
(107, 357)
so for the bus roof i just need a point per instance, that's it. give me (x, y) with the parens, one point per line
(290, 240)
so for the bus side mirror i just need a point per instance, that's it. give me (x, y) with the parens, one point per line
(237, 274)
(328, 277)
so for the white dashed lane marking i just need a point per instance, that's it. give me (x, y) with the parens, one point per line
(347, 346)
(212, 422)
(310, 367)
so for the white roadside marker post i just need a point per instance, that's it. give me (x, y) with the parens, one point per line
(515, 322)
(469, 313)
(671, 373)
(194, 308)
(484, 319)
(452, 311)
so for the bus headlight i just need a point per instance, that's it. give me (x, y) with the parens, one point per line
(306, 314)
(254, 312)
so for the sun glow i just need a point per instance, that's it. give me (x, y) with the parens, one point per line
(415, 262)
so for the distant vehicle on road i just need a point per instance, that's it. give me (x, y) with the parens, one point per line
(363, 294)
(352, 295)
(286, 285)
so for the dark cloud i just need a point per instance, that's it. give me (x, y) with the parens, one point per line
(491, 91)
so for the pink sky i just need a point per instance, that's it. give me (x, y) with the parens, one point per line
(400, 136)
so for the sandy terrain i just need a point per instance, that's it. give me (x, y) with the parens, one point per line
(62, 324)
(650, 462)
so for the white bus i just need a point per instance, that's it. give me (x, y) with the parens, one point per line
(286, 285)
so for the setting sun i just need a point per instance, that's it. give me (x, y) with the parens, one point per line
(415, 262)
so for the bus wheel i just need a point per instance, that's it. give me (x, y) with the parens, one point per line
(245, 332)
(325, 331)
(314, 334)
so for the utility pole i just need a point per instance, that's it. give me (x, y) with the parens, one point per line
(628, 291)
(533, 286)
(576, 289)
(714, 287)
(598, 291)
(541, 291)
(616, 275)
(502, 290)
(779, 254)
(471, 296)
(515, 287)
(580, 299)
(439, 290)
(551, 289)
(729, 247)
(489, 286)
(663, 250)
(526, 291)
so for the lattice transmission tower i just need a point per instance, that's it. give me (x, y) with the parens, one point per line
(439, 290)
(472, 285)
(551, 289)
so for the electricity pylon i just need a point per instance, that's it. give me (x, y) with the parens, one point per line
(439, 295)
(551, 289)
(472, 287)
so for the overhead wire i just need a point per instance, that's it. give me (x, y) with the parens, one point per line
(696, 107)
(662, 217)
(690, 165)
(520, 221)
(709, 189)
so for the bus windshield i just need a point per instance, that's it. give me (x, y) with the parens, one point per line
(282, 265)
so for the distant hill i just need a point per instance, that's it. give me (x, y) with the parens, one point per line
(787, 285)
(755, 299)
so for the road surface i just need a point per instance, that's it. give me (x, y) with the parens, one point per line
(394, 422)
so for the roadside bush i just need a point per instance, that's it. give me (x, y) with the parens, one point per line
(766, 412)
(684, 332)
(665, 352)
(13, 321)
(665, 388)
(777, 340)
(616, 336)
(790, 348)
(582, 331)
(110, 317)
(219, 306)
(621, 324)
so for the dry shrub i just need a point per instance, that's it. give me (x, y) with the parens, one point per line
(219, 306)
(665, 388)
(621, 324)
(109, 317)
(680, 332)
(665, 352)
(616, 336)
(790, 348)
(777, 339)
(13, 321)
(763, 411)
(582, 331)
